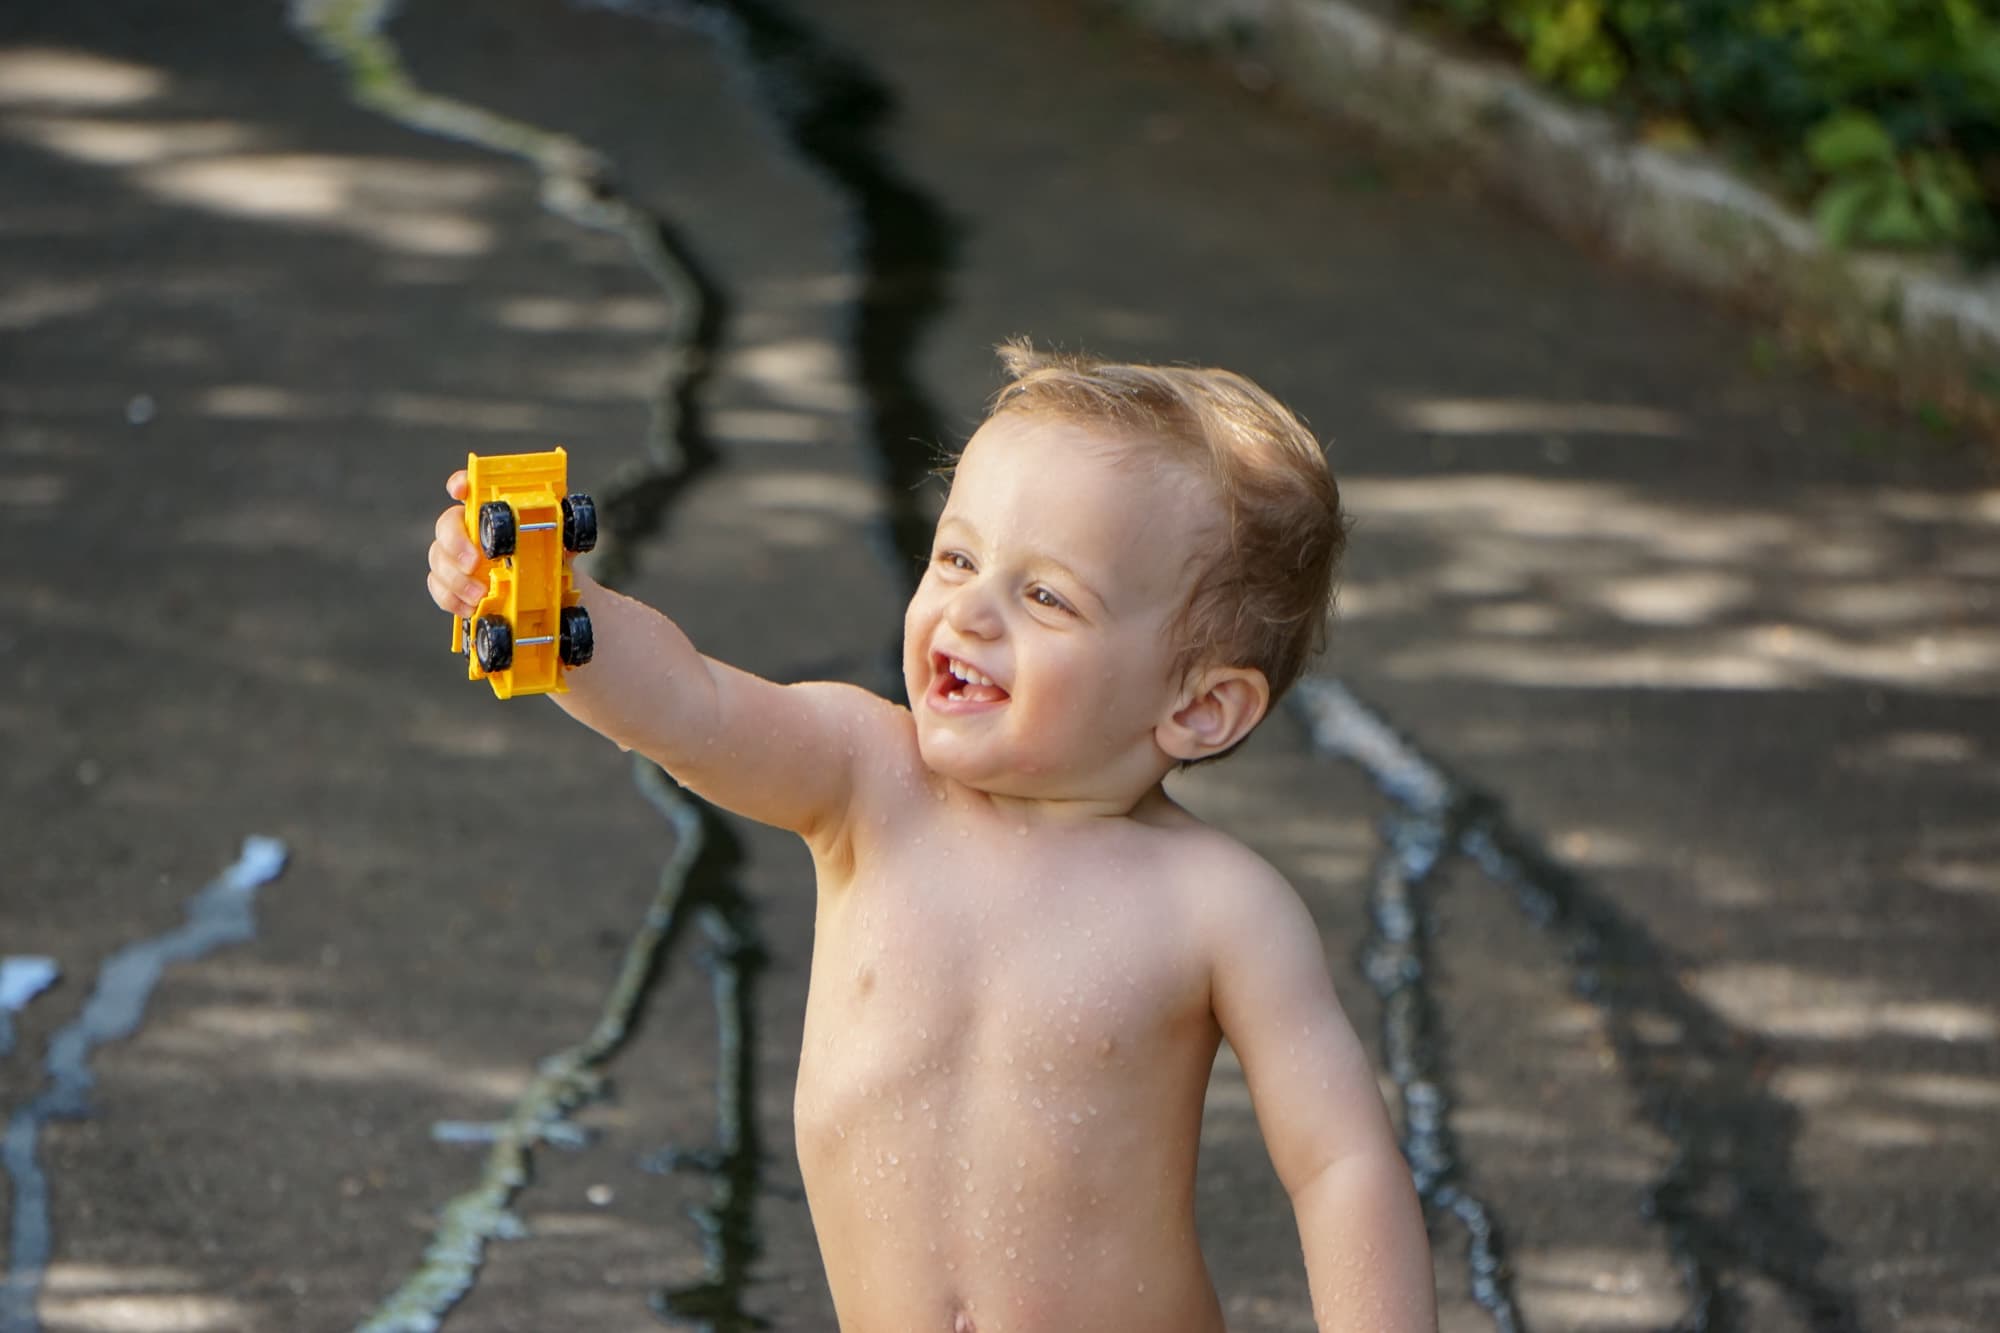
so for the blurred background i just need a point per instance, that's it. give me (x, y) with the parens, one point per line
(1646, 799)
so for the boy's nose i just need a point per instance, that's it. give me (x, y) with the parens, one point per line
(971, 611)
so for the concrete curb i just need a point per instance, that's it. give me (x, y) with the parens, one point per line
(1930, 327)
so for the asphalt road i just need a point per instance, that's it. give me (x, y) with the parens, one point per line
(1647, 802)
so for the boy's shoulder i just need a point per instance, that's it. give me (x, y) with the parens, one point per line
(1234, 886)
(1187, 837)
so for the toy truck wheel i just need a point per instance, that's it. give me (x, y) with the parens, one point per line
(577, 642)
(497, 529)
(493, 644)
(579, 523)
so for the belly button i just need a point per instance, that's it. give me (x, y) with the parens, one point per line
(962, 1323)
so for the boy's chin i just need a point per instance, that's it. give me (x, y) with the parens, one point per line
(949, 757)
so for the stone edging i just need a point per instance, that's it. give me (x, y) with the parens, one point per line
(1931, 327)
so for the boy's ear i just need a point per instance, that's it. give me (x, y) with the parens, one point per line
(1218, 708)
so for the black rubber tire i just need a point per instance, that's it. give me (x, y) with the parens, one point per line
(493, 644)
(579, 523)
(576, 642)
(497, 529)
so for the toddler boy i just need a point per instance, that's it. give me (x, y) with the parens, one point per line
(1025, 953)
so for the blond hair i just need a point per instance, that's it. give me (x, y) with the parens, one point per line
(1262, 599)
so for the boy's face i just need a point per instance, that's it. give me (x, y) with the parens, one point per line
(1036, 650)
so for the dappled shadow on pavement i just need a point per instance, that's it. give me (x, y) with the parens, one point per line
(1722, 643)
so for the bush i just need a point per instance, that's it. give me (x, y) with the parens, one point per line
(1883, 115)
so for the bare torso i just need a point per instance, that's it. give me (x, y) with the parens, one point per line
(1007, 1041)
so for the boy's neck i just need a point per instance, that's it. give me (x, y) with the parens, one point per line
(1029, 811)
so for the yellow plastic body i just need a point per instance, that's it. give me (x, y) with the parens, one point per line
(529, 588)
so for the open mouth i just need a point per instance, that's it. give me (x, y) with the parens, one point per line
(956, 681)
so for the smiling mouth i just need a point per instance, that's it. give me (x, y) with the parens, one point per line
(956, 681)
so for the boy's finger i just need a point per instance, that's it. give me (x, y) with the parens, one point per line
(455, 485)
(447, 598)
(454, 592)
(444, 562)
(451, 536)
(449, 567)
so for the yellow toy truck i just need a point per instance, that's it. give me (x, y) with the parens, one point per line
(529, 627)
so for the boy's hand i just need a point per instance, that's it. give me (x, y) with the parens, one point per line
(458, 575)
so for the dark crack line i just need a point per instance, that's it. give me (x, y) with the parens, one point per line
(222, 913)
(1727, 1201)
(1395, 960)
(903, 244)
(733, 955)
(562, 1083)
(578, 184)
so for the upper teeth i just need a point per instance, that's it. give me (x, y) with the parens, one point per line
(968, 674)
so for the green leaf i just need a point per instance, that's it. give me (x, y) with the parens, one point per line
(1936, 200)
(1895, 221)
(1842, 208)
(1847, 140)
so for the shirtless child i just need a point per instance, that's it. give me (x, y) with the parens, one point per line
(1025, 952)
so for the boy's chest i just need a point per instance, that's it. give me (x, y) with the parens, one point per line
(1000, 955)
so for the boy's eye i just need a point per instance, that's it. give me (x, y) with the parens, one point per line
(1043, 597)
(956, 559)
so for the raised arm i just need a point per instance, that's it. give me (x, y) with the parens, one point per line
(1322, 1117)
(781, 754)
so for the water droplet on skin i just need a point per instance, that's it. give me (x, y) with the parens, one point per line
(1048, 1068)
(1010, 1248)
(1075, 1119)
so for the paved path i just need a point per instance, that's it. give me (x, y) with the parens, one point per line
(1660, 735)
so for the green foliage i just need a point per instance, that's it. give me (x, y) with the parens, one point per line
(1884, 115)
